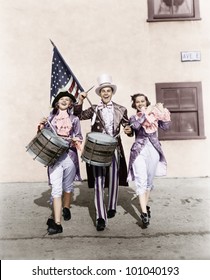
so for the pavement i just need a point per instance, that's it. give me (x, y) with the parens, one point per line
(179, 228)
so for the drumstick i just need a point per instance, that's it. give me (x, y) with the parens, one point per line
(52, 127)
(96, 112)
(89, 89)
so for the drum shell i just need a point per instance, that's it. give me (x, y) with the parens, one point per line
(47, 147)
(99, 149)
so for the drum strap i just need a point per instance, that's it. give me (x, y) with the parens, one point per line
(95, 110)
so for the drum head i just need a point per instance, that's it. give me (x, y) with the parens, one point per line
(99, 149)
(101, 138)
(57, 140)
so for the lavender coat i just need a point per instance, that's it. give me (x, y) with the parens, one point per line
(74, 132)
(140, 140)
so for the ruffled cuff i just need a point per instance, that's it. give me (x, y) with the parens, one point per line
(162, 115)
(165, 116)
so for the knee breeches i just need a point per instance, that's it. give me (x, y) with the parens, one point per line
(144, 168)
(62, 175)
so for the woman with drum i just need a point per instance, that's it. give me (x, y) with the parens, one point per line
(106, 118)
(65, 170)
(146, 156)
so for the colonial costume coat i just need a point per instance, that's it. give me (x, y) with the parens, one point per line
(120, 118)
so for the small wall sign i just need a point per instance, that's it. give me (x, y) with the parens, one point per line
(191, 56)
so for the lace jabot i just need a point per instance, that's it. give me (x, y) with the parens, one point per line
(63, 123)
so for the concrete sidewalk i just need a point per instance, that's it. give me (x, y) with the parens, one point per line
(180, 224)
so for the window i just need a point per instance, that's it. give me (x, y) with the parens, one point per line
(168, 10)
(184, 101)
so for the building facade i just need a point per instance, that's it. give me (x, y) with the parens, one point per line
(158, 47)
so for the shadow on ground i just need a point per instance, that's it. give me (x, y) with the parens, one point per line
(84, 197)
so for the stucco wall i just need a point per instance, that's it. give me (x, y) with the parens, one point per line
(94, 37)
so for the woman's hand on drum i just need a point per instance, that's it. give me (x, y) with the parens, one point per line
(76, 143)
(42, 123)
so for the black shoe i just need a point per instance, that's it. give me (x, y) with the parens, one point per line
(100, 224)
(148, 212)
(54, 228)
(111, 213)
(50, 222)
(145, 219)
(66, 214)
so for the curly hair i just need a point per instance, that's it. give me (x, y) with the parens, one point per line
(133, 99)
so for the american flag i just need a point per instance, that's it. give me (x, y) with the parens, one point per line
(62, 78)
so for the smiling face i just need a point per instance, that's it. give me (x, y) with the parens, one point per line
(140, 102)
(106, 94)
(64, 103)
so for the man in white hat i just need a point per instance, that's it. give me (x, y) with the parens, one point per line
(107, 117)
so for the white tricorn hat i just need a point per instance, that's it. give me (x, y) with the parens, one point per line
(105, 80)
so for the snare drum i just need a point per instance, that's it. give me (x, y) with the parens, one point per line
(47, 147)
(99, 149)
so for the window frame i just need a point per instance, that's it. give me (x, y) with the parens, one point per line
(199, 110)
(180, 17)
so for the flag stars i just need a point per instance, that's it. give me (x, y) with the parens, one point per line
(62, 77)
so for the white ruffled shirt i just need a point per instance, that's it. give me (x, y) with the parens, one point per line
(107, 113)
(62, 123)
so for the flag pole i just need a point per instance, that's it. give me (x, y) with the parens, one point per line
(52, 43)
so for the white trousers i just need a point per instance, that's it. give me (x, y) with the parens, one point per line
(144, 168)
(62, 175)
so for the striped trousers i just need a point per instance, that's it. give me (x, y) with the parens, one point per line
(99, 174)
